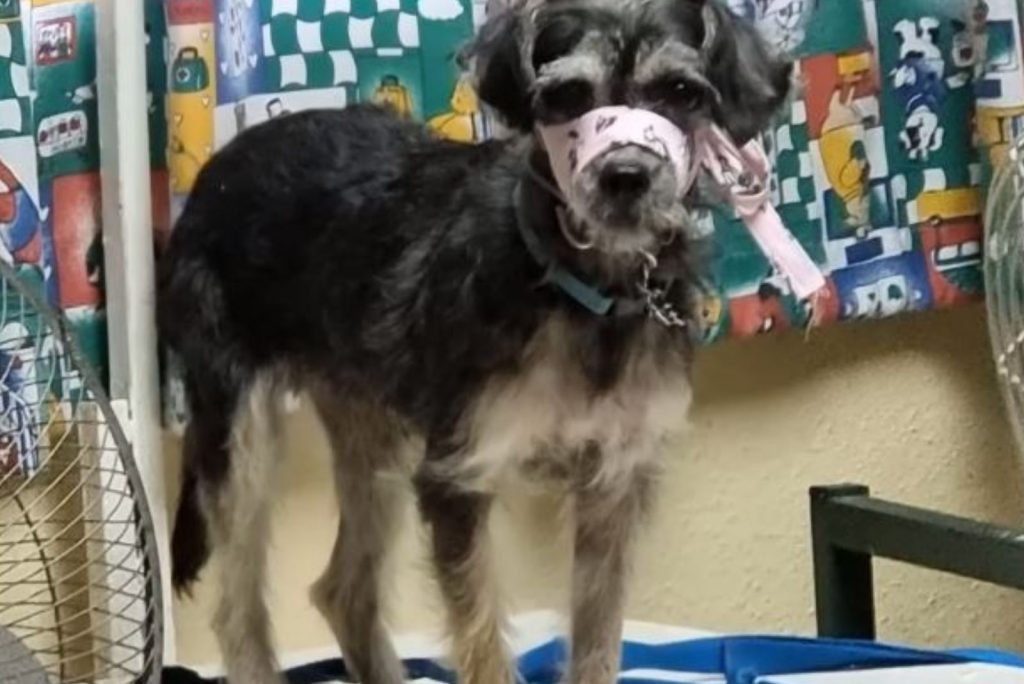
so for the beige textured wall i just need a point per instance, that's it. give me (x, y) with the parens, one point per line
(908, 406)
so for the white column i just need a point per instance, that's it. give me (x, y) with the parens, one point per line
(128, 244)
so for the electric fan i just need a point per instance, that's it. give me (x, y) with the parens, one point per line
(79, 578)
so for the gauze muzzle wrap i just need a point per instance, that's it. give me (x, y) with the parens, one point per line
(574, 146)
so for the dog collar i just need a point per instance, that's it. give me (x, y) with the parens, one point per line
(652, 300)
(588, 296)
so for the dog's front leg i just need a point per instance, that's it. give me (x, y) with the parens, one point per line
(460, 543)
(607, 516)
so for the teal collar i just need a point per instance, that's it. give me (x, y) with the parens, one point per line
(555, 274)
(653, 298)
(586, 295)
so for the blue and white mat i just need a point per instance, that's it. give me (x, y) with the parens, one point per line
(655, 655)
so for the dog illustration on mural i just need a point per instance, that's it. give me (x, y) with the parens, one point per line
(921, 83)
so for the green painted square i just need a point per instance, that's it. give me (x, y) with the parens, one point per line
(787, 165)
(440, 42)
(837, 26)
(334, 31)
(284, 35)
(7, 89)
(364, 8)
(385, 30)
(156, 29)
(801, 137)
(807, 189)
(18, 42)
(311, 10)
(741, 264)
(90, 330)
(319, 70)
(156, 82)
(10, 9)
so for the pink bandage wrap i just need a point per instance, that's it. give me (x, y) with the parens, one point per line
(743, 173)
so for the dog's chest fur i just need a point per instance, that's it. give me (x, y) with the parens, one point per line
(542, 420)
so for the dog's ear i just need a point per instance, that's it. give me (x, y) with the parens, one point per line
(752, 81)
(496, 59)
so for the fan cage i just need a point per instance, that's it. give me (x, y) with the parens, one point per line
(1004, 279)
(80, 597)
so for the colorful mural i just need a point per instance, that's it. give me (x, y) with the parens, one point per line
(878, 163)
(222, 66)
(50, 211)
(235, 63)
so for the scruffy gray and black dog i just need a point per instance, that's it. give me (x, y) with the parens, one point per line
(453, 316)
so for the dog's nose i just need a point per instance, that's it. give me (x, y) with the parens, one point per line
(625, 180)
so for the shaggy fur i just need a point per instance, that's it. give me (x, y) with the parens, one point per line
(354, 255)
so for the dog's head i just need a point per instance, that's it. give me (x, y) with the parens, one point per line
(540, 65)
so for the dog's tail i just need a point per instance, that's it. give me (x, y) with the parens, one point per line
(212, 381)
(190, 542)
(195, 333)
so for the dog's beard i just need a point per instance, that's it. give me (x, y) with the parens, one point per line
(653, 228)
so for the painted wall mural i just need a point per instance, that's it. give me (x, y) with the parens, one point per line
(50, 213)
(879, 165)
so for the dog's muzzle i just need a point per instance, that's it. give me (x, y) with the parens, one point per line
(620, 147)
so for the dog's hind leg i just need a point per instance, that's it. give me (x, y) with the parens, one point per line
(238, 511)
(460, 543)
(366, 445)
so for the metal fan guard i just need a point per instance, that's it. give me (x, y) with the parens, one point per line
(1004, 279)
(80, 597)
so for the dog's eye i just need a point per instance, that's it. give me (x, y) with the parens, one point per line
(567, 100)
(677, 92)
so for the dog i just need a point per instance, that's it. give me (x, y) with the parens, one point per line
(456, 317)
